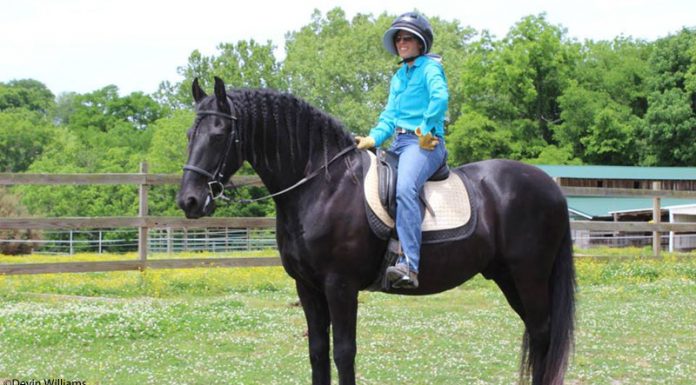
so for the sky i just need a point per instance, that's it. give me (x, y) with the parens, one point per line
(84, 45)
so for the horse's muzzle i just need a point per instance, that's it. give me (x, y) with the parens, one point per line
(196, 205)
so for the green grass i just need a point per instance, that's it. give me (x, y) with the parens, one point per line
(636, 325)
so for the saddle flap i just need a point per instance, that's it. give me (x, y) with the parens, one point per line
(387, 171)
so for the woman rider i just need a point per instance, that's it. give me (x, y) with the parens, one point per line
(415, 111)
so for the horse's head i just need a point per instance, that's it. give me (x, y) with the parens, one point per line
(214, 151)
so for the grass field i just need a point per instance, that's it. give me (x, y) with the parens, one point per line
(636, 325)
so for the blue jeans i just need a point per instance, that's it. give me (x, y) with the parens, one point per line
(416, 165)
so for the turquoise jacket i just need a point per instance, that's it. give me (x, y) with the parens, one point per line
(418, 97)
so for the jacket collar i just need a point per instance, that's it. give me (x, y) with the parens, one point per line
(417, 62)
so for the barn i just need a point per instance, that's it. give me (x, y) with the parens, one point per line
(636, 209)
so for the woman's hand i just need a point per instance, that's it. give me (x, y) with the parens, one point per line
(427, 142)
(364, 142)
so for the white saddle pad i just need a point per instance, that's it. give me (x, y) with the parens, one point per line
(448, 198)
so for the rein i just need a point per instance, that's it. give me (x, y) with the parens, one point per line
(216, 186)
(298, 184)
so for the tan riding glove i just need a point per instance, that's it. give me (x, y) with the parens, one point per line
(426, 142)
(364, 142)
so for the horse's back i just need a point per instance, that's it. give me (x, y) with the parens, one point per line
(512, 181)
(522, 209)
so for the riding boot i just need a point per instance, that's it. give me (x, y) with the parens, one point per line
(401, 277)
(393, 256)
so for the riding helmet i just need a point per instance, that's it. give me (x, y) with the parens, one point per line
(412, 22)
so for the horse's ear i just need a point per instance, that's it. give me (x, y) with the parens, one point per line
(221, 95)
(198, 93)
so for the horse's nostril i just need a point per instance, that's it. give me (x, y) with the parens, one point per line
(191, 202)
(186, 203)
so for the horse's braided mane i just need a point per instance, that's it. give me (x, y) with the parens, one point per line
(295, 126)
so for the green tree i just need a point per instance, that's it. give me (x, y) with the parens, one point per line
(552, 154)
(23, 137)
(241, 64)
(26, 93)
(516, 82)
(104, 109)
(474, 137)
(340, 66)
(72, 152)
(670, 122)
(103, 132)
(610, 85)
(167, 154)
(611, 139)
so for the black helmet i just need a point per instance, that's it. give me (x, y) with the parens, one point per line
(412, 22)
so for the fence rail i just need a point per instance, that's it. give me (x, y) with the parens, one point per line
(627, 192)
(149, 222)
(144, 222)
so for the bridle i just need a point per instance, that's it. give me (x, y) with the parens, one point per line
(216, 186)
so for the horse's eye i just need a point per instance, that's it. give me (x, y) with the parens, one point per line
(217, 135)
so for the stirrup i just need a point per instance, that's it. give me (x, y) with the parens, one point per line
(391, 257)
(401, 277)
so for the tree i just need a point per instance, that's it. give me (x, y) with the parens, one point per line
(23, 137)
(104, 109)
(340, 66)
(602, 107)
(167, 154)
(516, 83)
(474, 137)
(104, 133)
(670, 122)
(555, 155)
(72, 152)
(242, 64)
(610, 139)
(26, 93)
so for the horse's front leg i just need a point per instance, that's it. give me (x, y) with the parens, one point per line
(342, 295)
(316, 311)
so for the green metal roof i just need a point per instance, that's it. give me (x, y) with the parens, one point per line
(590, 207)
(621, 172)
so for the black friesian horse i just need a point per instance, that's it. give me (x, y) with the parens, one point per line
(521, 240)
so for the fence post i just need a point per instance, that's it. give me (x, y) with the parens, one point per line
(657, 214)
(170, 240)
(142, 213)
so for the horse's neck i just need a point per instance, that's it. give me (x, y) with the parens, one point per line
(286, 139)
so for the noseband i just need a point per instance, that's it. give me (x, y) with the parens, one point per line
(216, 185)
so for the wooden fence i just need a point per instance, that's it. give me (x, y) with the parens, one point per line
(143, 222)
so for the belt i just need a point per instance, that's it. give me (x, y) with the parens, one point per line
(400, 130)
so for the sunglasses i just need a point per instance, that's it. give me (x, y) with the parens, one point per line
(404, 38)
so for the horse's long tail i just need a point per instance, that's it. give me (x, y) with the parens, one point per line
(562, 325)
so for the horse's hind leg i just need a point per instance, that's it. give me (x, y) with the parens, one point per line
(535, 299)
(507, 286)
